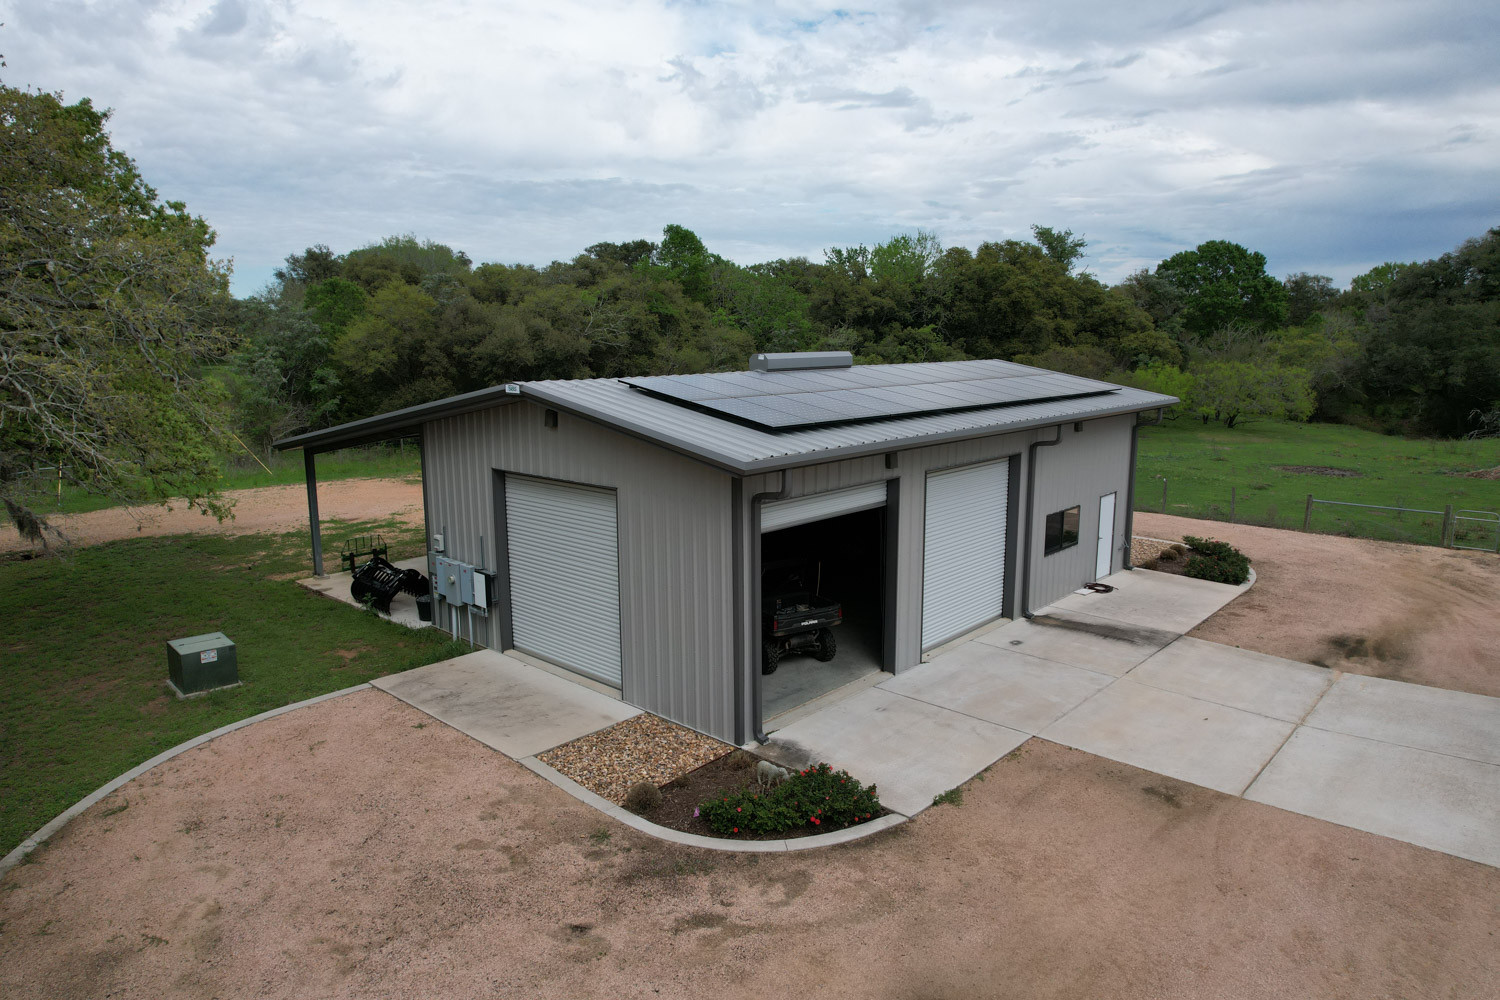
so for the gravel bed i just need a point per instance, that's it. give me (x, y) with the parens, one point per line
(645, 747)
(1144, 550)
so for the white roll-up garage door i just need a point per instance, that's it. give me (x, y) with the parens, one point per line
(963, 559)
(565, 574)
(777, 514)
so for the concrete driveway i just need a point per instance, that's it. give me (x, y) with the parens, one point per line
(1114, 676)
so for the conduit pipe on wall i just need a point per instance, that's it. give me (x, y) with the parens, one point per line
(1030, 515)
(1135, 433)
(753, 663)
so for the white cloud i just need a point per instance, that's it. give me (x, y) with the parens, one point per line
(1329, 136)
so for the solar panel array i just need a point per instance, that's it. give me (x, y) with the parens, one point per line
(790, 399)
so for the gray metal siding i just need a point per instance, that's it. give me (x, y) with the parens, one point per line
(675, 535)
(1086, 465)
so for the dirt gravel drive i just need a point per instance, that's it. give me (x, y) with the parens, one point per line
(1409, 612)
(356, 848)
(267, 509)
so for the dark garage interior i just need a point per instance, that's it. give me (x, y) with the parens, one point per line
(847, 560)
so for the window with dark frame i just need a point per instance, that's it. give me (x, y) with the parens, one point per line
(1062, 531)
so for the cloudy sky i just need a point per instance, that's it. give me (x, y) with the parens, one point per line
(1330, 136)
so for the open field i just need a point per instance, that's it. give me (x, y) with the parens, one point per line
(264, 509)
(357, 849)
(240, 472)
(83, 649)
(1274, 465)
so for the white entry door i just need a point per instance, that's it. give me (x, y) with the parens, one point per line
(1103, 560)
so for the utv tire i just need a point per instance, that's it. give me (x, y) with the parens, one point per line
(828, 647)
(771, 657)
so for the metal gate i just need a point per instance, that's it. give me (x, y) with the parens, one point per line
(1476, 529)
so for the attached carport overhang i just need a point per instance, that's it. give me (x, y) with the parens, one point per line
(393, 426)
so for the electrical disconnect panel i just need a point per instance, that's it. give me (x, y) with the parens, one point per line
(461, 584)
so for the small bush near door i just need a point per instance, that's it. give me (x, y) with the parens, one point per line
(819, 797)
(1217, 561)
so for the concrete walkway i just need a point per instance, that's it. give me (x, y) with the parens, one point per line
(505, 704)
(1114, 676)
(403, 606)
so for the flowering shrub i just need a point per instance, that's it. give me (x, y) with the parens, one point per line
(819, 797)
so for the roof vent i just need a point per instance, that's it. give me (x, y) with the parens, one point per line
(802, 361)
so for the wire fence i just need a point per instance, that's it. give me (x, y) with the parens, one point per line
(1445, 526)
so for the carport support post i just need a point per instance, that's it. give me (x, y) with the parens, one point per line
(309, 465)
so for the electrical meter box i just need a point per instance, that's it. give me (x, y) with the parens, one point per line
(462, 585)
(201, 663)
(455, 581)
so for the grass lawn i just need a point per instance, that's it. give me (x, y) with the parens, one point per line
(1273, 466)
(395, 461)
(83, 655)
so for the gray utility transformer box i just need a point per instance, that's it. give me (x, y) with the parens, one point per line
(201, 663)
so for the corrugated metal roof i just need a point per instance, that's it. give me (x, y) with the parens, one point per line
(744, 449)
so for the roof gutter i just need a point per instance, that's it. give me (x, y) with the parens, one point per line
(1030, 516)
(1135, 434)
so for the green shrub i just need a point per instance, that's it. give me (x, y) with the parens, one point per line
(1217, 561)
(819, 796)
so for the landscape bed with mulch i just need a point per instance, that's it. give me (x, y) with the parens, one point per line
(688, 768)
(731, 773)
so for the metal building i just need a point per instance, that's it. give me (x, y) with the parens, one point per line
(620, 529)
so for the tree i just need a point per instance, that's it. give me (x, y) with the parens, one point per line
(686, 259)
(1230, 391)
(335, 303)
(109, 308)
(1307, 296)
(1221, 283)
(1061, 247)
(1169, 380)
(316, 263)
(1432, 351)
(1377, 279)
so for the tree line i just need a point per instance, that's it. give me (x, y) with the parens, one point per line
(1406, 348)
(128, 369)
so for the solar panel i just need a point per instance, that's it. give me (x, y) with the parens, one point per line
(783, 400)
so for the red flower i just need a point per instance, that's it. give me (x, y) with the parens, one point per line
(736, 829)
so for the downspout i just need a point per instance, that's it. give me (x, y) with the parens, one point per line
(753, 663)
(1135, 433)
(1030, 516)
